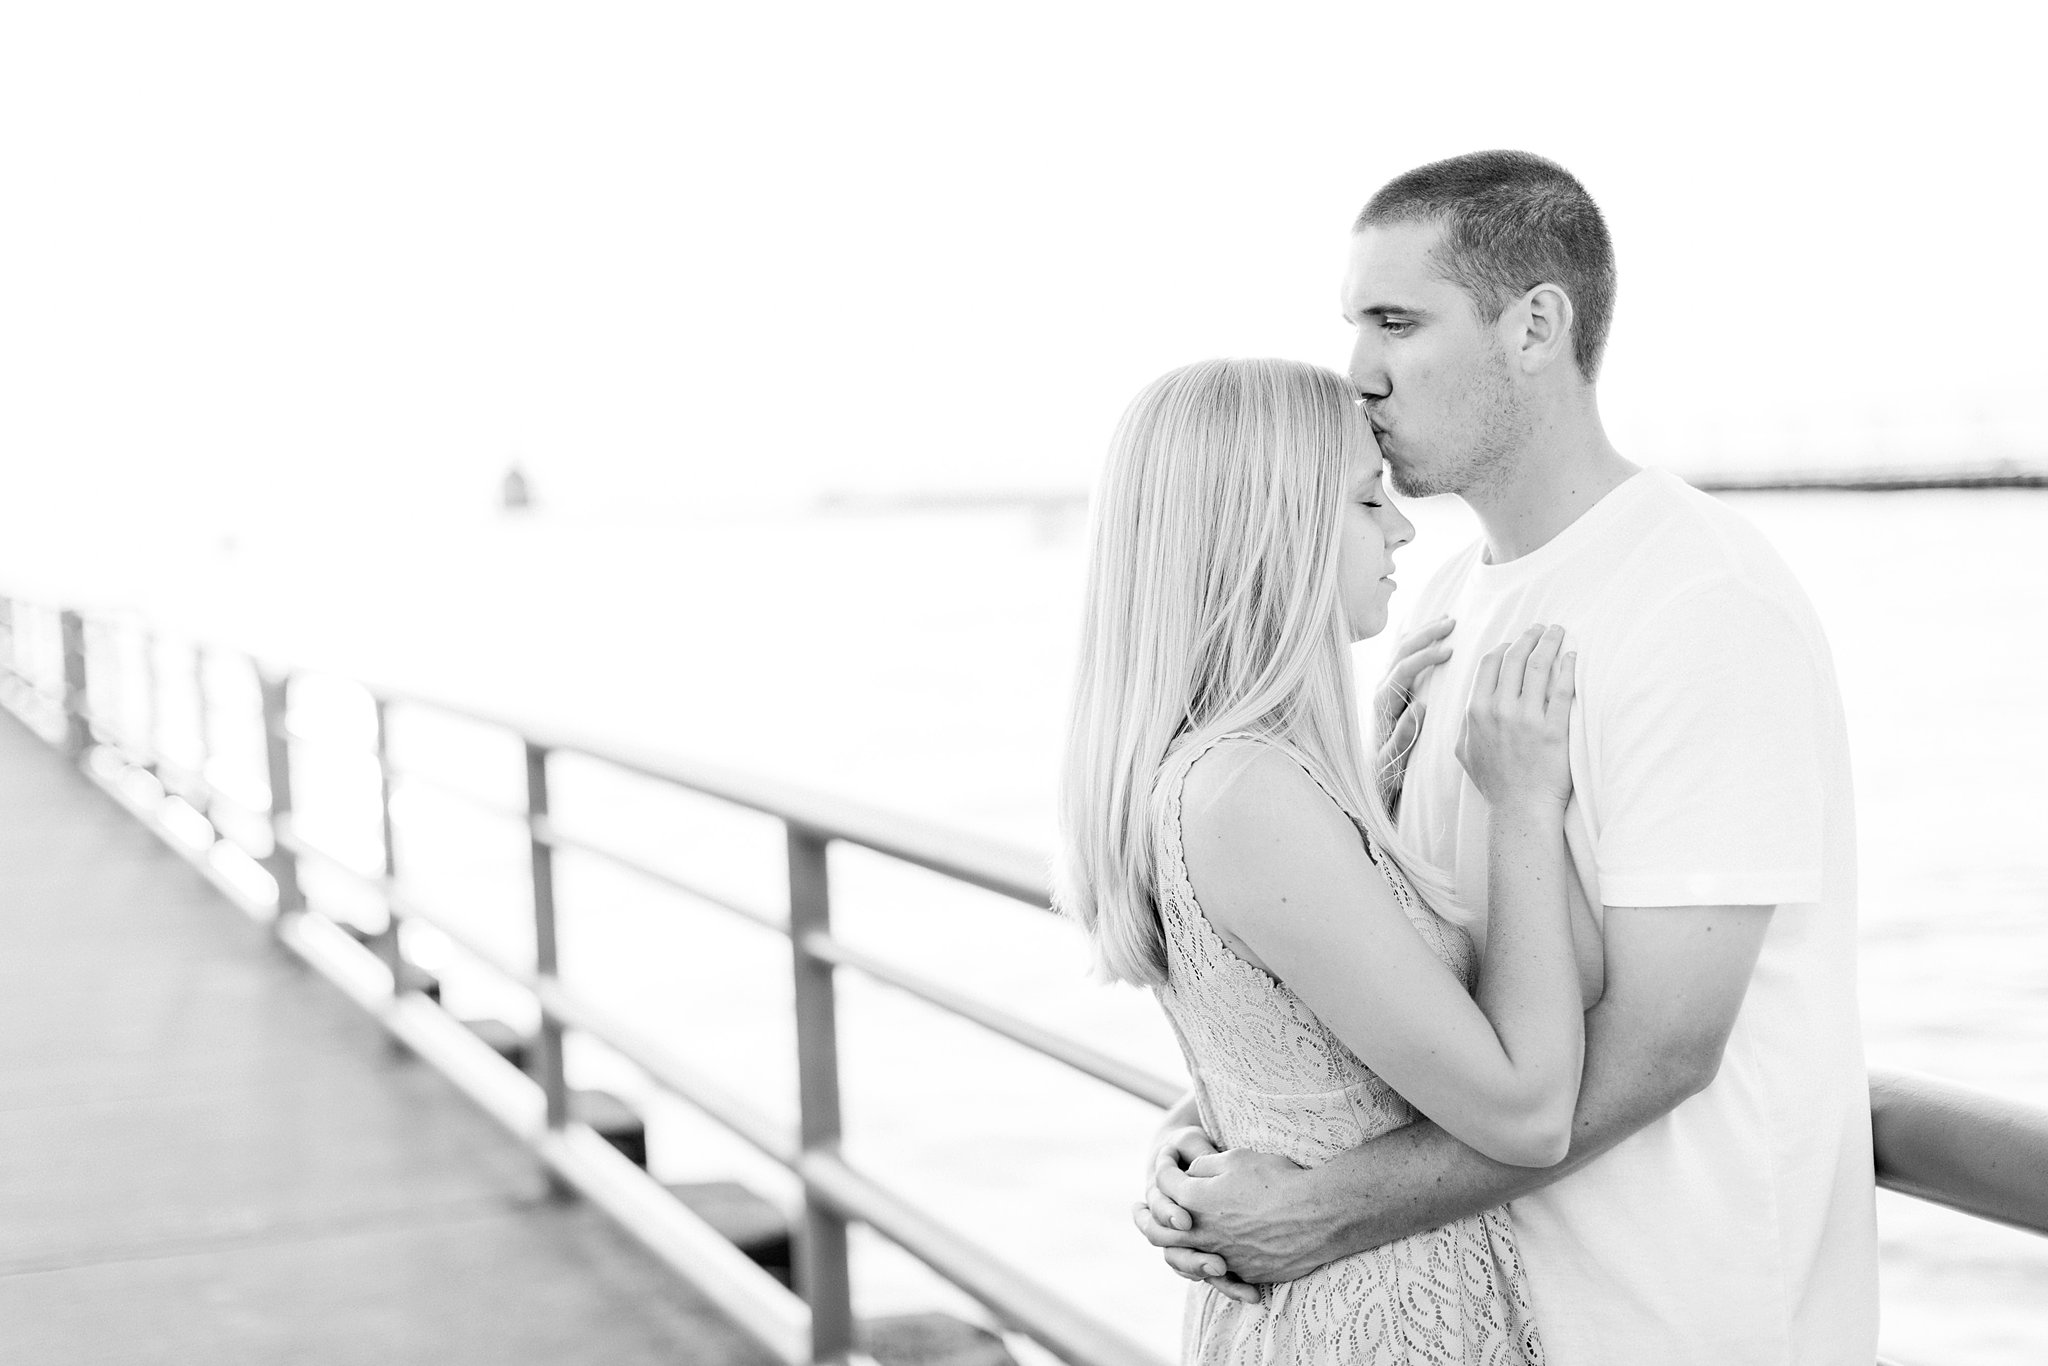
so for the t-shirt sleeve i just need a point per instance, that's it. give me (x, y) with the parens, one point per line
(1712, 789)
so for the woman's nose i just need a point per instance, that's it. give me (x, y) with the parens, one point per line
(1402, 531)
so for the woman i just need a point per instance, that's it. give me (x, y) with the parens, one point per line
(1223, 844)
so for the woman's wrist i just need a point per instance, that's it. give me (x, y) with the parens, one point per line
(1541, 810)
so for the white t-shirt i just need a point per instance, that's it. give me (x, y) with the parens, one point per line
(1710, 766)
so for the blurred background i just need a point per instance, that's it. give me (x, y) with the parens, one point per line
(729, 379)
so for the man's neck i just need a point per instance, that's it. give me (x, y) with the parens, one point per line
(1567, 466)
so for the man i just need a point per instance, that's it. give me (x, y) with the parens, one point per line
(1716, 1206)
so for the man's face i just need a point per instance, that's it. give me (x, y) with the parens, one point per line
(1432, 377)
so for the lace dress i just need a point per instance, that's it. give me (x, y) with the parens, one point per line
(1269, 1075)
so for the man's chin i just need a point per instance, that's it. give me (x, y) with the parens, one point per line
(1404, 480)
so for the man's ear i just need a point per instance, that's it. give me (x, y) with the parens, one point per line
(1541, 332)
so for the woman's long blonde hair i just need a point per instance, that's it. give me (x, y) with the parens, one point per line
(1213, 606)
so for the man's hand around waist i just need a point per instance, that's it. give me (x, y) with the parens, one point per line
(1179, 1147)
(1233, 1217)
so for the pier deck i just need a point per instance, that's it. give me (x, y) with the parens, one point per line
(209, 1155)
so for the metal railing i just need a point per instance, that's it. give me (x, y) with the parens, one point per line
(815, 1325)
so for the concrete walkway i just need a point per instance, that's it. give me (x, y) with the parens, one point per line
(207, 1155)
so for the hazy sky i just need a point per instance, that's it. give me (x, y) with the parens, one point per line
(269, 262)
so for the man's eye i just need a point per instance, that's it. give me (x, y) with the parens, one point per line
(1398, 326)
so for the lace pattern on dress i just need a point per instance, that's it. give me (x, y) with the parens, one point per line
(1269, 1075)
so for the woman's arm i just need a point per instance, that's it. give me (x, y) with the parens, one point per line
(1680, 975)
(1513, 746)
(1281, 872)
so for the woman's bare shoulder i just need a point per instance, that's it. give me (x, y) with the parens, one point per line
(1255, 800)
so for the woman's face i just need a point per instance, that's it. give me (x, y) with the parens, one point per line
(1373, 528)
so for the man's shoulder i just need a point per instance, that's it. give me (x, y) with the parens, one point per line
(1695, 522)
(1690, 547)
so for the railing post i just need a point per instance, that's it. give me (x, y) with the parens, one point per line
(282, 865)
(549, 1068)
(149, 700)
(202, 727)
(77, 728)
(821, 1271)
(385, 942)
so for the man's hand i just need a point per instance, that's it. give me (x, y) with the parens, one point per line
(1245, 1214)
(1171, 1228)
(1397, 715)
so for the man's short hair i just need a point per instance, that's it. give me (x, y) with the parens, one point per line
(1512, 221)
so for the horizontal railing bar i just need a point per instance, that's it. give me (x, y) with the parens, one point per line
(545, 830)
(1014, 1297)
(670, 1072)
(1126, 1077)
(503, 810)
(1950, 1144)
(548, 832)
(1931, 1196)
(991, 864)
(405, 908)
(994, 865)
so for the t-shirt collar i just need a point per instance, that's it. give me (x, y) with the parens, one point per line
(1586, 530)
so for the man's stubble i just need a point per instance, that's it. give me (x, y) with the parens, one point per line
(1480, 451)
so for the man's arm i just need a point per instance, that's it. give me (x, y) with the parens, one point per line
(1676, 976)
